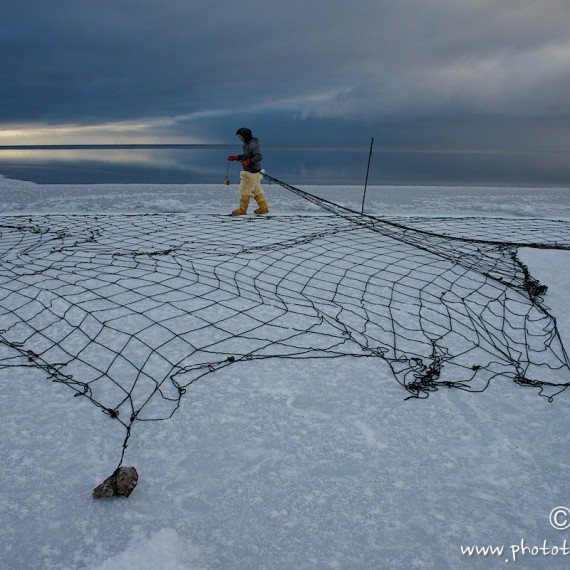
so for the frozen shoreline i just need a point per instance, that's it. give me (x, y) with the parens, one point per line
(28, 197)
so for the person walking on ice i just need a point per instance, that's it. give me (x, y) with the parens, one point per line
(250, 176)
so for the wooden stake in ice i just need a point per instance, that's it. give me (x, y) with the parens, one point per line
(367, 171)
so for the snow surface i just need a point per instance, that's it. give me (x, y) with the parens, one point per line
(279, 465)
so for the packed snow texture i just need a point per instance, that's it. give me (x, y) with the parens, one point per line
(283, 464)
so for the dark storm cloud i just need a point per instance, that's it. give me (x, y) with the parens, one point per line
(304, 71)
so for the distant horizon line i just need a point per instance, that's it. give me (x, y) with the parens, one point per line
(310, 147)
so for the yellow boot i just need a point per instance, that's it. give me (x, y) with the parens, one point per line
(242, 210)
(262, 203)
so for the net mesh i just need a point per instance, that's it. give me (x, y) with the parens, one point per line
(129, 311)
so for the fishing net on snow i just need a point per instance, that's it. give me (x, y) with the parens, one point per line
(129, 311)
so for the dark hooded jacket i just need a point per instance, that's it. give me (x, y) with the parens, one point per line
(251, 150)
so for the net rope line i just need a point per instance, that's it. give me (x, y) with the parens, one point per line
(130, 310)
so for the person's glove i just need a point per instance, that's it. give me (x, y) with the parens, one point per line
(233, 157)
(246, 162)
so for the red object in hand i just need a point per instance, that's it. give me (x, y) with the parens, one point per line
(246, 162)
(233, 157)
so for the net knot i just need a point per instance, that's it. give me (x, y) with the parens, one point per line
(112, 413)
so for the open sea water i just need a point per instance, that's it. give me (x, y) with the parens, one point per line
(320, 165)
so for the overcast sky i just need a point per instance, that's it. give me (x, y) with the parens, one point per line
(452, 73)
